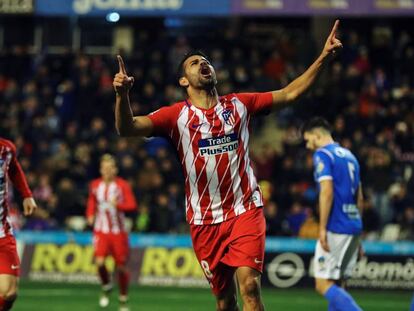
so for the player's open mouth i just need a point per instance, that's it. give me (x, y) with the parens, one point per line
(205, 72)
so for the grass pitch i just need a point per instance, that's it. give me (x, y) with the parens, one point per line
(34, 296)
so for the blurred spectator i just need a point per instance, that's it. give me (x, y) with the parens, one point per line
(310, 228)
(69, 202)
(296, 217)
(370, 219)
(274, 220)
(379, 178)
(143, 220)
(407, 223)
(400, 200)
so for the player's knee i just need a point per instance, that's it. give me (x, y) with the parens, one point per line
(321, 286)
(250, 288)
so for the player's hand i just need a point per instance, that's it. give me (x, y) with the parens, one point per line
(122, 83)
(114, 201)
(323, 239)
(332, 44)
(29, 206)
(90, 220)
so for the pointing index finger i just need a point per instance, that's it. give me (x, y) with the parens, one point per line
(334, 28)
(121, 65)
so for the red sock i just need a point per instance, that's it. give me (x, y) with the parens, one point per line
(123, 280)
(103, 275)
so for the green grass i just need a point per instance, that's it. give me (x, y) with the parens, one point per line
(63, 297)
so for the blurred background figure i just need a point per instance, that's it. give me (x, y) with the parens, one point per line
(10, 171)
(109, 197)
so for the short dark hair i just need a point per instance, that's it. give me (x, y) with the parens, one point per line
(180, 69)
(316, 122)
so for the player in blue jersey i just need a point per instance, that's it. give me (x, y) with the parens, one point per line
(340, 204)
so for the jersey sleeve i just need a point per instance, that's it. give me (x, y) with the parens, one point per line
(128, 202)
(163, 120)
(256, 102)
(17, 176)
(91, 203)
(322, 166)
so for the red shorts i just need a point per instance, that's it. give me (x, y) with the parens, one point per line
(9, 260)
(221, 248)
(112, 244)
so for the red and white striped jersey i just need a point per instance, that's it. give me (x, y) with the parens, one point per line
(213, 146)
(9, 169)
(107, 202)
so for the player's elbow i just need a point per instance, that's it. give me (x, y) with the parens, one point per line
(123, 131)
(288, 94)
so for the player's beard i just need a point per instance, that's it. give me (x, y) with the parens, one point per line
(208, 83)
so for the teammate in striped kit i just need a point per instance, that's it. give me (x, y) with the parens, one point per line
(9, 260)
(223, 200)
(109, 197)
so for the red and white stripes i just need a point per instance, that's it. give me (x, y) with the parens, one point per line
(213, 148)
(5, 159)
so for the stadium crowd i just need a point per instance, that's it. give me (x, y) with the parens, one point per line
(58, 109)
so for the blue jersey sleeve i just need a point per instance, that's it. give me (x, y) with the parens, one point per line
(322, 166)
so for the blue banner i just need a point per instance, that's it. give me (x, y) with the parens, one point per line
(273, 244)
(224, 7)
(133, 7)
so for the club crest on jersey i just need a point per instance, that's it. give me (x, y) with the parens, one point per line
(228, 117)
(320, 167)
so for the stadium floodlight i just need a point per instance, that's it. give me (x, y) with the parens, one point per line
(113, 17)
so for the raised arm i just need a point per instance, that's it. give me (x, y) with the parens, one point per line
(126, 124)
(301, 84)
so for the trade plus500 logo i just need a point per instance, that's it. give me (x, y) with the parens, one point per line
(86, 6)
(218, 145)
